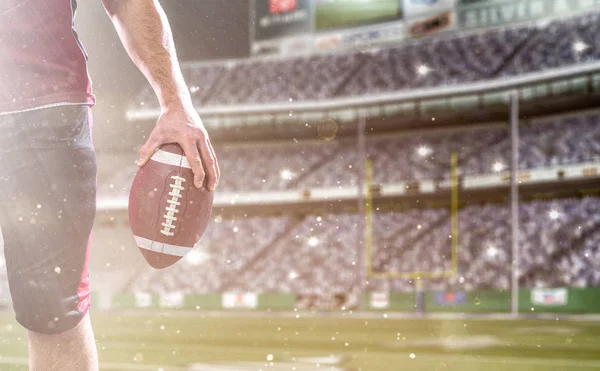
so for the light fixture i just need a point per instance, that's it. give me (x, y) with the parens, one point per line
(286, 174)
(424, 151)
(498, 166)
(580, 46)
(423, 70)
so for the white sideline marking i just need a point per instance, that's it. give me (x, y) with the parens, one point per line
(254, 366)
(498, 360)
(550, 330)
(103, 366)
(160, 247)
(568, 364)
(169, 158)
(450, 342)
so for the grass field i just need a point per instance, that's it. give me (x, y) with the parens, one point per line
(201, 341)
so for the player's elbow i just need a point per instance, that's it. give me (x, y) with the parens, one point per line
(113, 7)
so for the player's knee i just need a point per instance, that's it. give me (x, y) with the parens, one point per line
(40, 310)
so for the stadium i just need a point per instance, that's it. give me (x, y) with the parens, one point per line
(405, 185)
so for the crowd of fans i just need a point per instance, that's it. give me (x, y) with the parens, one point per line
(443, 60)
(404, 157)
(559, 247)
(318, 254)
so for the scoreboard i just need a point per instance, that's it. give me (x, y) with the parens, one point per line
(273, 19)
(304, 26)
(331, 14)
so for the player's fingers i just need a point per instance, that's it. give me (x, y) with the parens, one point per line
(147, 150)
(218, 170)
(193, 156)
(210, 164)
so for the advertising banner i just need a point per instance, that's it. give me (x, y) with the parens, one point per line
(380, 300)
(143, 299)
(419, 8)
(438, 22)
(275, 19)
(171, 300)
(549, 297)
(424, 17)
(450, 298)
(360, 37)
(485, 13)
(282, 6)
(247, 300)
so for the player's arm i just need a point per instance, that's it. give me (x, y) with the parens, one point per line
(145, 33)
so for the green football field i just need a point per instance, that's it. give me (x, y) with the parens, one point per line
(204, 341)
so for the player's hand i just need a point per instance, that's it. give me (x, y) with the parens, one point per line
(182, 125)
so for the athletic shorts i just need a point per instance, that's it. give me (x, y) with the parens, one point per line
(47, 208)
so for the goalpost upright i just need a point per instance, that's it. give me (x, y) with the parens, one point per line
(417, 276)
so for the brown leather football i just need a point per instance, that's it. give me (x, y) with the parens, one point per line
(167, 213)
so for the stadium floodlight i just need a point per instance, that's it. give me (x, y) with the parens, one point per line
(424, 151)
(423, 70)
(313, 241)
(554, 214)
(286, 174)
(498, 167)
(492, 251)
(580, 46)
(196, 256)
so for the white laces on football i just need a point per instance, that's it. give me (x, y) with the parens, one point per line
(176, 188)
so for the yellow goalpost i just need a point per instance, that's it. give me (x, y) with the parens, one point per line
(416, 275)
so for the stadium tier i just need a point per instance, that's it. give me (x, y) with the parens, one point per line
(444, 60)
(560, 247)
(401, 157)
(316, 253)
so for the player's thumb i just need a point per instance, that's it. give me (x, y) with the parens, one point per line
(146, 152)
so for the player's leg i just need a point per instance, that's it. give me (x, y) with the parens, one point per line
(74, 349)
(47, 208)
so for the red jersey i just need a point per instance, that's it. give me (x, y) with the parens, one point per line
(42, 62)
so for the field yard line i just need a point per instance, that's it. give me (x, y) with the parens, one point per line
(350, 314)
(158, 346)
(103, 366)
(435, 358)
(428, 356)
(512, 360)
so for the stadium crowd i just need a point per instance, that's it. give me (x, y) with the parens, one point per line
(403, 157)
(317, 254)
(444, 60)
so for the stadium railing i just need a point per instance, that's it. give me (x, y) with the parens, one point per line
(581, 78)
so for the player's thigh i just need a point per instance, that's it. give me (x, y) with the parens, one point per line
(47, 208)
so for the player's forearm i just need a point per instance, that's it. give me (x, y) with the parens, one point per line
(145, 33)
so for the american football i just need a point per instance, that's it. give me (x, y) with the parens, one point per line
(167, 213)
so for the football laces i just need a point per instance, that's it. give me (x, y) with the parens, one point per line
(170, 218)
